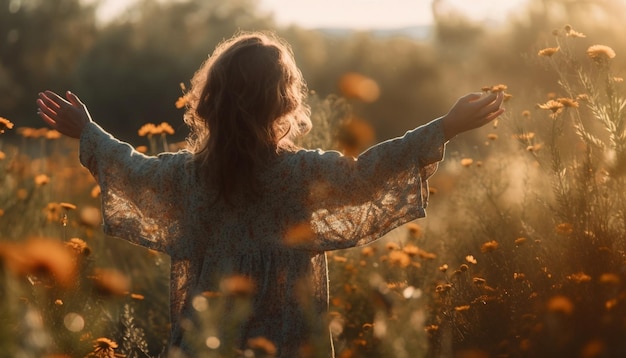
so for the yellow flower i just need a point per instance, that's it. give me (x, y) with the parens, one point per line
(147, 129)
(462, 308)
(552, 105)
(39, 256)
(166, 128)
(181, 102)
(78, 246)
(570, 32)
(5, 124)
(600, 53)
(399, 258)
(103, 348)
(2, 155)
(499, 88)
(568, 102)
(42, 179)
(411, 250)
(548, 52)
(53, 134)
(520, 241)
(471, 259)
(466, 162)
(489, 246)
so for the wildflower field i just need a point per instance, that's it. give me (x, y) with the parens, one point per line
(523, 252)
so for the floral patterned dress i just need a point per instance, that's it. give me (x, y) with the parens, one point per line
(311, 201)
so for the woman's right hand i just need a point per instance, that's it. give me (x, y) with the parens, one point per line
(472, 111)
(67, 116)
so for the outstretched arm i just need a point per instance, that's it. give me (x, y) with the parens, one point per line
(67, 116)
(472, 111)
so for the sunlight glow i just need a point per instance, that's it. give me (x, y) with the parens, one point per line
(358, 14)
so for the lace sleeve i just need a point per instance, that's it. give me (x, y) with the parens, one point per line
(140, 196)
(353, 202)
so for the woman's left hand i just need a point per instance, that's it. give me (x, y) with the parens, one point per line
(67, 116)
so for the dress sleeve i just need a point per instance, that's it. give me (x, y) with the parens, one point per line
(139, 193)
(354, 201)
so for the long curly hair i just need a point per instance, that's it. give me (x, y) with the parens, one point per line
(245, 106)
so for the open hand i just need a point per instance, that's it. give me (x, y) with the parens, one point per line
(67, 116)
(472, 111)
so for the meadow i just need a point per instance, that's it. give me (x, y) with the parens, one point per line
(523, 252)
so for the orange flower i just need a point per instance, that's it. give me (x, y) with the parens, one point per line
(53, 134)
(37, 256)
(570, 32)
(466, 162)
(78, 246)
(5, 124)
(548, 52)
(399, 258)
(600, 53)
(148, 129)
(489, 246)
(181, 102)
(568, 102)
(520, 241)
(552, 105)
(42, 179)
(103, 348)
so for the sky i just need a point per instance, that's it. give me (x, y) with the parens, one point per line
(360, 14)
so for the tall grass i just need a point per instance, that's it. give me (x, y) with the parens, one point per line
(523, 253)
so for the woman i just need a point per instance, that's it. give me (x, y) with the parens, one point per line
(245, 202)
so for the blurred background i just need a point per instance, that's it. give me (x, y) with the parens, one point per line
(127, 59)
(523, 251)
